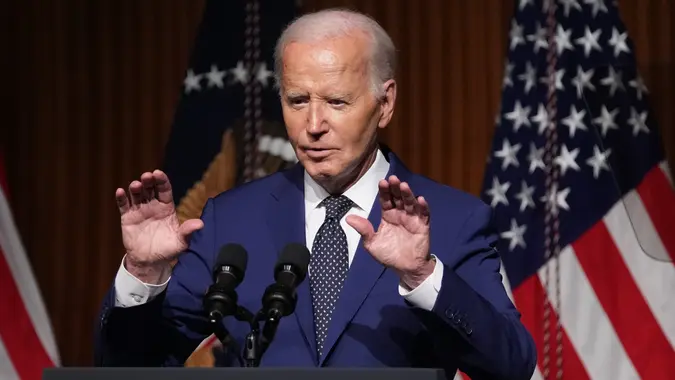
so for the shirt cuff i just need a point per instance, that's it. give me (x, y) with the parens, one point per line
(130, 291)
(424, 296)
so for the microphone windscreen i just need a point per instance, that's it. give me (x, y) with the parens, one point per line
(297, 255)
(233, 255)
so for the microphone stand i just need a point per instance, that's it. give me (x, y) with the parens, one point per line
(251, 352)
(257, 341)
(269, 330)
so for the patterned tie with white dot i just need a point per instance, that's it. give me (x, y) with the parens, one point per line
(329, 264)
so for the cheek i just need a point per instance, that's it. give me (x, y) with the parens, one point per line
(353, 129)
(295, 125)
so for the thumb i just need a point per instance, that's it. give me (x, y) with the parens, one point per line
(188, 227)
(362, 226)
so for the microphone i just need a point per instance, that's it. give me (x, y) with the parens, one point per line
(280, 298)
(221, 299)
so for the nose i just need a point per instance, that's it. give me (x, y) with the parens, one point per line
(316, 118)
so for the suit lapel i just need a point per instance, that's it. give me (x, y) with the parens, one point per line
(286, 221)
(363, 273)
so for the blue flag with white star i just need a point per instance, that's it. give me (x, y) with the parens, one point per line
(228, 125)
(582, 196)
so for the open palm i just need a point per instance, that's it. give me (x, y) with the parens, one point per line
(151, 232)
(402, 239)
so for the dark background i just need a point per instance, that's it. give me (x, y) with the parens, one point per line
(89, 89)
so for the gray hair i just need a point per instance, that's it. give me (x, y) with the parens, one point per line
(329, 23)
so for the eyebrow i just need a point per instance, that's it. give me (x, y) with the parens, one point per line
(294, 94)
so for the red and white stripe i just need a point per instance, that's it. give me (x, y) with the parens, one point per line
(27, 344)
(617, 283)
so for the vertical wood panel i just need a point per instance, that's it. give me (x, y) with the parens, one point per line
(94, 84)
(95, 87)
(435, 65)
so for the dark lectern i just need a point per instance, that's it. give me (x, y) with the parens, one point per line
(179, 373)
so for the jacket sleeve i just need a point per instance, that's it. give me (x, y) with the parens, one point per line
(166, 330)
(475, 323)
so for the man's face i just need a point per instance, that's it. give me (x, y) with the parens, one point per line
(330, 112)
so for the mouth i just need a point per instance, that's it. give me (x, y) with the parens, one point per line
(317, 153)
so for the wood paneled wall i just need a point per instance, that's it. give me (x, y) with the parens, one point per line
(90, 88)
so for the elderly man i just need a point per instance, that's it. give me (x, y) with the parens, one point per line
(388, 285)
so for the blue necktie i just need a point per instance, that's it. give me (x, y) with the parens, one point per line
(329, 264)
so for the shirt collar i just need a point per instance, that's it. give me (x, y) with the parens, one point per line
(362, 193)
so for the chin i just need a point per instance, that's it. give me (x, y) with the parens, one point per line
(322, 169)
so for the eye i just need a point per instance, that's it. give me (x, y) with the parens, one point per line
(337, 102)
(297, 100)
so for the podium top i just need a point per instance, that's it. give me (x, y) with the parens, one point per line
(182, 373)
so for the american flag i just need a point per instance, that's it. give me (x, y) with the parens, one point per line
(27, 344)
(582, 196)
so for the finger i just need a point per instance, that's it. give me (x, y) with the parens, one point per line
(163, 187)
(385, 195)
(122, 200)
(135, 190)
(422, 208)
(362, 226)
(395, 190)
(188, 227)
(148, 182)
(408, 197)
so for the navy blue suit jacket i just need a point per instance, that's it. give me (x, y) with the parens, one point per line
(473, 326)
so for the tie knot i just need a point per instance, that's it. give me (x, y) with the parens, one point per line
(337, 207)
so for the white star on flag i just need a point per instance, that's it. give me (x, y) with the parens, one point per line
(613, 80)
(191, 81)
(575, 120)
(519, 116)
(638, 121)
(590, 41)
(536, 158)
(639, 85)
(583, 80)
(539, 38)
(542, 119)
(606, 120)
(598, 5)
(498, 192)
(515, 235)
(263, 74)
(598, 161)
(618, 41)
(525, 196)
(215, 77)
(562, 39)
(529, 76)
(240, 73)
(559, 74)
(508, 154)
(516, 35)
(557, 199)
(569, 4)
(567, 159)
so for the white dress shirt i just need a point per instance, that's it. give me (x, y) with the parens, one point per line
(130, 291)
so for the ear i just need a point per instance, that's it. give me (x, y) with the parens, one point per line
(387, 103)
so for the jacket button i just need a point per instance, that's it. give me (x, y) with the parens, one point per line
(449, 313)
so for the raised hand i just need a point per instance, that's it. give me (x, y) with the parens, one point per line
(402, 238)
(151, 232)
